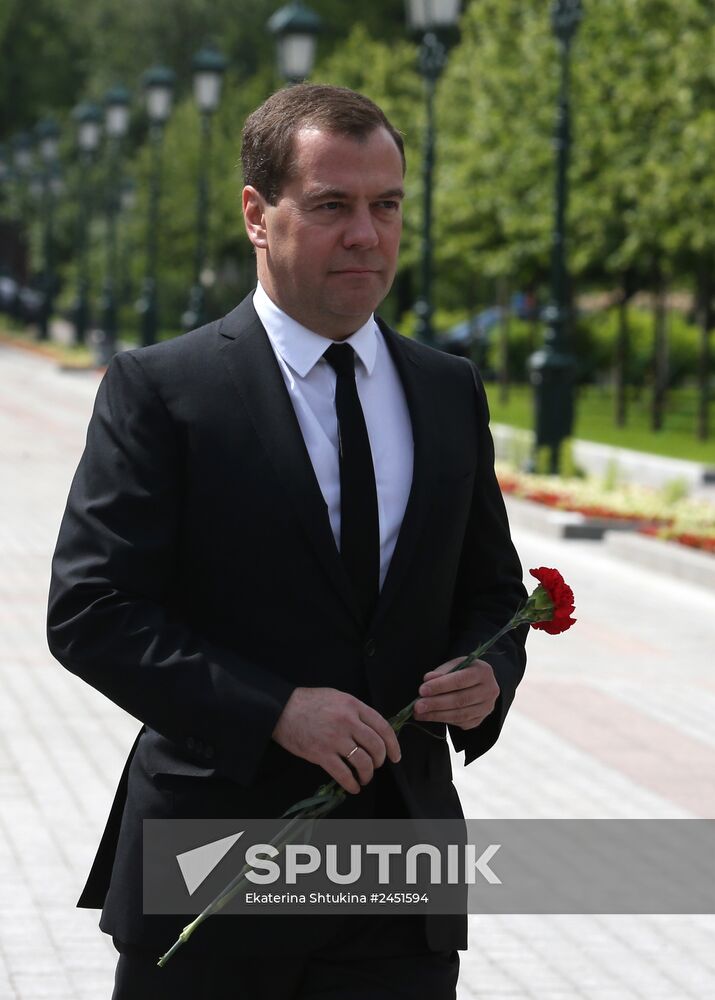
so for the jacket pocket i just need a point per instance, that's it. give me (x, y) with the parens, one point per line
(166, 770)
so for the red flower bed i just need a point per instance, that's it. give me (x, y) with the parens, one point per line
(659, 527)
(696, 541)
(542, 496)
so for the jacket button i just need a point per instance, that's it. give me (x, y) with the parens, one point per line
(370, 647)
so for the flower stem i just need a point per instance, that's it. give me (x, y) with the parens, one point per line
(288, 834)
(405, 714)
(326, 799)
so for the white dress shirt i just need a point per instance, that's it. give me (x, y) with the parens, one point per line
(310, 381)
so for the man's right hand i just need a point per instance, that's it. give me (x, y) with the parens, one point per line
(324, 725)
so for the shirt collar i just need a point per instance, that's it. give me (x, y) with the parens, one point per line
(300, 347)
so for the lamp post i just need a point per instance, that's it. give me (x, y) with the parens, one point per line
(208, 66)
(5, 171)
(22, 151)
(158, 91)
(127, 203)
(48, 137)
(89, 130)
(435, 23)
(552, 368)
(7, 298)
(296, 29)
(116, 123)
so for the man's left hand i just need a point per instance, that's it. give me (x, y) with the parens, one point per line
(463, 698)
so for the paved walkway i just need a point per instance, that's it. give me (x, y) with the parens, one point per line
(616, 719)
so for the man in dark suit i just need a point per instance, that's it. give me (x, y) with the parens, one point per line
(283, 526)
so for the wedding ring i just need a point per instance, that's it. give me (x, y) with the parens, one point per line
(354, 750)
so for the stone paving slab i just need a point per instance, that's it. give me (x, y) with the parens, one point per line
(638, 668)
(646, 642)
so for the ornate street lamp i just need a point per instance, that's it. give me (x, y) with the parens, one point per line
(47, 133)
(159, 91)
(296, 29)
(88, 118)
(89, 127)
(209, 66)
(22, 145)
(48, 140)
(435, 23)
(552, 368)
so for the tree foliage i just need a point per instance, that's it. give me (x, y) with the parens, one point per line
(643, 102)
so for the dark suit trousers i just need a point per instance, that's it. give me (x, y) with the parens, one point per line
(373, 958)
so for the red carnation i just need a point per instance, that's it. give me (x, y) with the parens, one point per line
(561, 597)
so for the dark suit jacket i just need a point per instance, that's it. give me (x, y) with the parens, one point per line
(196, 582)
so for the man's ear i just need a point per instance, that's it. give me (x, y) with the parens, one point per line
(254, 216)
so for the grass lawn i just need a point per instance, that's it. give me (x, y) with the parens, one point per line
(594, 421)
(71, 357)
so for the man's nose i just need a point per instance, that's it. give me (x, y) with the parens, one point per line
(361, 230)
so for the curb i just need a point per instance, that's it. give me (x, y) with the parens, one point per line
(597, 459)
(564, 523)
(670, 558)
(620, 538)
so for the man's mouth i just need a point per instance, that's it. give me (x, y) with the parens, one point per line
(355, 270)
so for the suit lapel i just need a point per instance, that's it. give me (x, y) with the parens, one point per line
(418, 388)
(254, 369)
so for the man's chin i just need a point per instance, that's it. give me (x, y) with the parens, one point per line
(357, 302)
(354, 315)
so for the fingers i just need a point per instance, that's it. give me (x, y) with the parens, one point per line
(323, 725)
(463, 698)
(445, 668)
(373, 745)
(465, 718)
(367, 753)
(440, 681)
(362, 764)
(384, 730)
(338, 769)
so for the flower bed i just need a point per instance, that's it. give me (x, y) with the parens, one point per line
(705, 541)
(654, 512)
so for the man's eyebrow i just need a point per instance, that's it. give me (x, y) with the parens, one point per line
(336, 194)
(326, 193)
(392, 193)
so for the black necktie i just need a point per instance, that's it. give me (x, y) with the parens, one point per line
(359, 526)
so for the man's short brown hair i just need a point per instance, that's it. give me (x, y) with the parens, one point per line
(267, 146)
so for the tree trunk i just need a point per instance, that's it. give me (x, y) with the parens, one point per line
(620, 387)
(705, 318)
(504, 323)
(660, 350)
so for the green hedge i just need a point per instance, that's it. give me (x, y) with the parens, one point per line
(594, 346)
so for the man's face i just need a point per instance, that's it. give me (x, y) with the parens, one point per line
(327, 251)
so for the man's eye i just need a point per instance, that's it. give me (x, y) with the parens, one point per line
(331, 206)
(391, 206)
